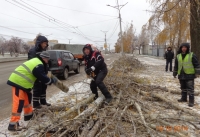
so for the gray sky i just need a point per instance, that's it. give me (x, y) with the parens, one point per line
(88, 17)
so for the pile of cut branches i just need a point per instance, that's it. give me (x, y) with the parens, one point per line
(137, 110)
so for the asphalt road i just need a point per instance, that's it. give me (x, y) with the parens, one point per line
(5, 90)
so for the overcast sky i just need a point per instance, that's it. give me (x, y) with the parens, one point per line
(79, 20)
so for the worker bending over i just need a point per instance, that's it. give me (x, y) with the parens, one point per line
(22, 80)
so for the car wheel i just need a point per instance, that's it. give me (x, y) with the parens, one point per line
(77, 71)
(65, 74)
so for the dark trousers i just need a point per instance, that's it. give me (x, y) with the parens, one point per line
(168, 62)
(98, 82)
(187, 86)
(39, 94)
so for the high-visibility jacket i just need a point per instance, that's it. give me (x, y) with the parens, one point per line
(185, 64)
(22, 75)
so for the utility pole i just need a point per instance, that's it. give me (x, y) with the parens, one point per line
(105, 40)
(105, 35)
(69, 40)
(119, 7)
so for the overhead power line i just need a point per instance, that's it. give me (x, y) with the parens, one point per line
(43, 26)
(18, 30)
(71, 9)
(114, 30)
(56, 22)
(97, 22)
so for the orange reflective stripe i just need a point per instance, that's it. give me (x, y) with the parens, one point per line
(28, 114)
(16, 114)
(12, 123)
(27, 106)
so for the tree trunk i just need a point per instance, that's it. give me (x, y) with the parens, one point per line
(195, 27)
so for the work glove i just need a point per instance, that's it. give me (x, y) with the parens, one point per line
(54, 80)
(174, 74)
(88, 71)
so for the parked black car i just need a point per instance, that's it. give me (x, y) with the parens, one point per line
(63, 61)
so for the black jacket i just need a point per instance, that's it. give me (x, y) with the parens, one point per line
(37, 49)
(169, 55)
(94, 59)
(39, 73)
(183, 75)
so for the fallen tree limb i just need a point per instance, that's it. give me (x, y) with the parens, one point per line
(77, 106)
(167, 124)
(89, 111)
(196, 93)
(166, 116)
(191, 112)
(143, 119)
(118, 98)
(86, 129)
(94, 130)
(60, 85)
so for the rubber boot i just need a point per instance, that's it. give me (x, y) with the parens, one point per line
(108, 100)
(44, 102)
(27, 118)
(15, 127)
(36, 105)
(183, 97)
(191, 101)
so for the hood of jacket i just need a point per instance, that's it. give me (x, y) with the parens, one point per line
(187, 45)
(88, 46)
(39, 41)
(169, 49)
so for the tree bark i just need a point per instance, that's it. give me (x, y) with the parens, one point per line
(94, 130)
(60, 85)
(195, 27)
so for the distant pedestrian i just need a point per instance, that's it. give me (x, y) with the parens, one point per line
(186, 66)
(169, 56)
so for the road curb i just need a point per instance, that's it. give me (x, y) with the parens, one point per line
(4, 60)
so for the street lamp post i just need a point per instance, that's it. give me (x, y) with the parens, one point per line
(119, 7)
(105, 40)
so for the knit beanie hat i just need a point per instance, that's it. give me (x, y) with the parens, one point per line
(45, 54)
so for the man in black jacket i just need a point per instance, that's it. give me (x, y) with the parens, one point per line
(94, 63)
(39, 89)
(186, 66)
(169, 56)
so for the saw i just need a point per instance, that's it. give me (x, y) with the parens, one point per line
(92, 75)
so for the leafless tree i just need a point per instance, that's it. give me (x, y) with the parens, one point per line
(26, 47)
(2, 46)
(15, 45)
